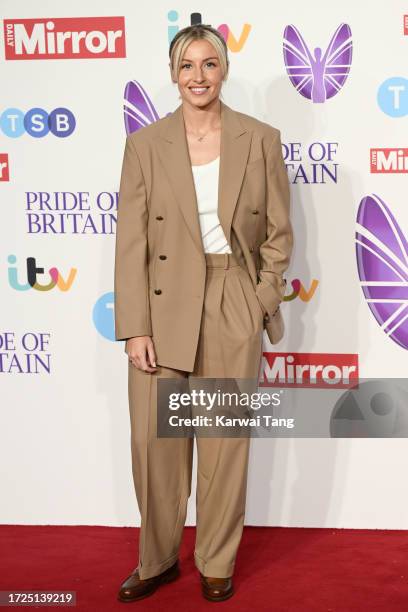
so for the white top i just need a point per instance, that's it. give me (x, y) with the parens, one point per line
(206, 185)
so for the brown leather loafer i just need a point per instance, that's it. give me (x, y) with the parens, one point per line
(134, 588)
(216, 589)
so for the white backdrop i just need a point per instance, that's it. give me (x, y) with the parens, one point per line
(65, 449)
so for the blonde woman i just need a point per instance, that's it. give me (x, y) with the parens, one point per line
(203, 240)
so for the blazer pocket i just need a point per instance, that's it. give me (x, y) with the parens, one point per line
(252, 292)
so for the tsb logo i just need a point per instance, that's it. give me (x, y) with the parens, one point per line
(392, 97)
(103, 316)
(66, 38)
(37, 122)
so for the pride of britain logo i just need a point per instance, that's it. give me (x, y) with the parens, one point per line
(138, 108)
(382, 262)
(318, 76)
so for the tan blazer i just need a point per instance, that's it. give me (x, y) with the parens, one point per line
(160, 266)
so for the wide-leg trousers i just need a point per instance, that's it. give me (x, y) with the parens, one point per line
(229, 346)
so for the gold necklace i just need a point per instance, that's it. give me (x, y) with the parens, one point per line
(199, 138)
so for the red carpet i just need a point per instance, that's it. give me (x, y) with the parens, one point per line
(278, 569)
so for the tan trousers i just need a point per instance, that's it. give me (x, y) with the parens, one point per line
(230, 345)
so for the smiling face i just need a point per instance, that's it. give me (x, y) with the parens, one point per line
(200, 75)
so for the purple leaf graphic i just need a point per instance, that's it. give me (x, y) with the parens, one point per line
(138, 108)
(382, 262)
(320, 77)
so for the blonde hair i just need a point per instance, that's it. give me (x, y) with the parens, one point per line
(197, 32)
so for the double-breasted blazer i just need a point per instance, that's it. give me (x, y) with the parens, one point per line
(160, 267)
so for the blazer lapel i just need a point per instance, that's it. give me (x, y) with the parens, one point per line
(175, 158)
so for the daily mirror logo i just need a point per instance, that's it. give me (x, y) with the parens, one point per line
(389, 161)
(4, 167)
(319, 370)
(64, 38)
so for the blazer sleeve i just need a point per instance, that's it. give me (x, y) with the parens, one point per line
(131, 287)
(276, 250)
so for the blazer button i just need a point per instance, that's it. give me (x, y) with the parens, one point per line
(159, 218)
(255, 212)
(162, 256)
(157, 291)
(251, 249)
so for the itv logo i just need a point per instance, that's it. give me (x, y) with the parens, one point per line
(57, 280)
(234, 44)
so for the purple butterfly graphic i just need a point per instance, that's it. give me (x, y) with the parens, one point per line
(138, 108)
(382, 262)
(320, 77)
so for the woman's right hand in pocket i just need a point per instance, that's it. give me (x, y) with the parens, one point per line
(141, 353)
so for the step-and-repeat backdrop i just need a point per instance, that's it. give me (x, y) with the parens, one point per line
(334, 79)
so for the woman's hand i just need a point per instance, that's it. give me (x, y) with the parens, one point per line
(141, 353)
